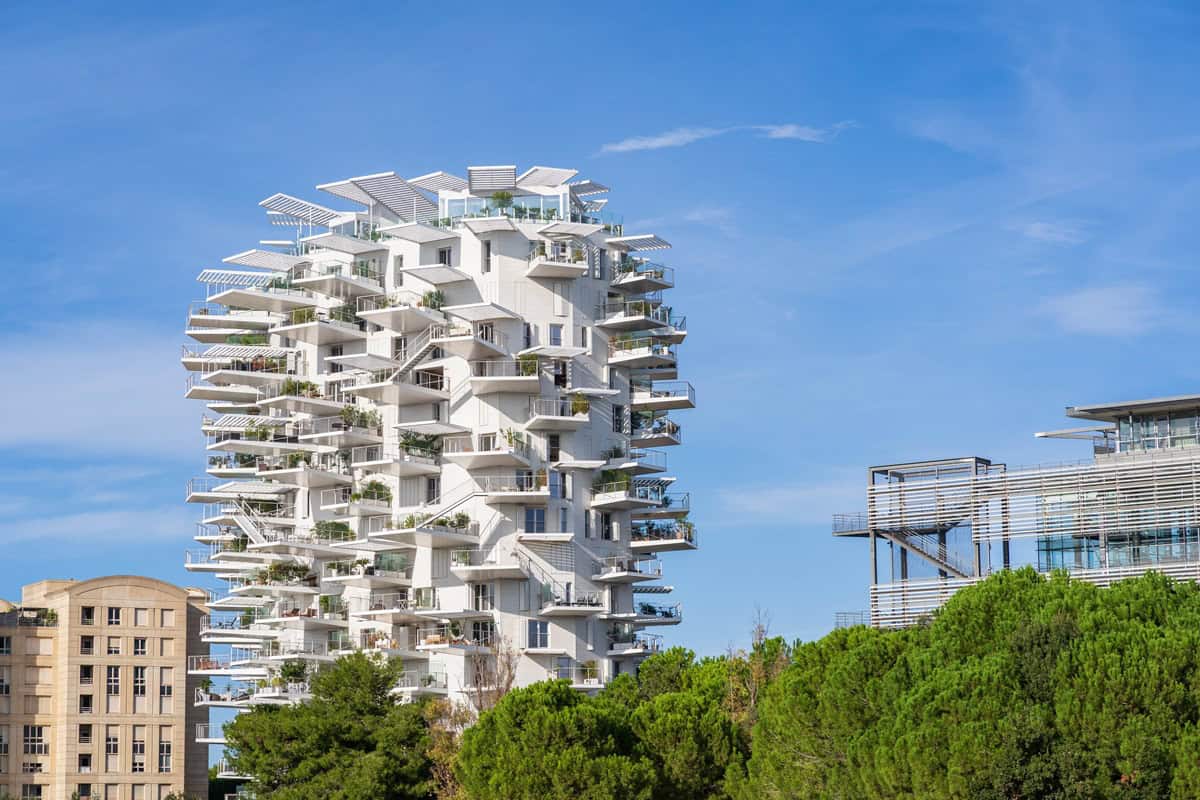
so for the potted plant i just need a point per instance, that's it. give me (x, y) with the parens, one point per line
(580, 404)
(502, 201)
(460, 521)
(434, 299)
(527, 364)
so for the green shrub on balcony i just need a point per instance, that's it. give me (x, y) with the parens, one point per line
(434, 299)
(300, 316)
(527, 365)
(294, 388)
(608, 477)
(247, 338)
(333, 530)
(580, 404)
(257, 432)
(502, 200)
(373, 490)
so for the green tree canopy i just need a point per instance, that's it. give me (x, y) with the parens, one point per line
(350, 741)
(1021, 687)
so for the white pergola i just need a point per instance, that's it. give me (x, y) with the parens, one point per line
(387, 190)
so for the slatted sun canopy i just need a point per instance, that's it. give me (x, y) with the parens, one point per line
(439, 182)
(485, 180)
(545, 176)
(235, 277)
(642, 241)
(301, 210)
(416, 232)
(344, 244)
(238, 422)
(238, 352)
(265, 259)
(585, 188)
(387, 189)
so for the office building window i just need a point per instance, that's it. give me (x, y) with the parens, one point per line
(112, 680)
(83, 790)
(85, 763)
(87, 645)
(114, 645)
(168, 618)
(139, 681)
(86, 673)
(31, 791)
(141, 617)
(35, 740)
(114, 616)
(138, 748)
(5, 681)
(87, 615)
(3, 749)
(5, 645)
(85, 734)
(85, 704)
(164, 750)
(139, 646)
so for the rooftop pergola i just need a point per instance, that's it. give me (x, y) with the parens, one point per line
(387, 190)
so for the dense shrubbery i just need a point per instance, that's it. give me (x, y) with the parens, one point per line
(1020, 688)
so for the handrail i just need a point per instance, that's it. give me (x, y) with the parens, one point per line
(664, 389)
(610, 564)
(505, 368)
(628, 346)
(489, 484)
(627, 268)
(392, 452)
(567, 407)
(652, 531)
(401, 298)
(634, 308)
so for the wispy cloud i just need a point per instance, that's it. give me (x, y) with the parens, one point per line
(1124, 310)
(1063, 232)
(680, 137)
(102, 527)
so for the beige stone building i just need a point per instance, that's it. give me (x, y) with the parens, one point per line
(95, 697)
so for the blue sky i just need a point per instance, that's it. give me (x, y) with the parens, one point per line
(899, 234)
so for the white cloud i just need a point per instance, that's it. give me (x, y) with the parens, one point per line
(685, 136)
(1055, 232)
(805, 133)
(1125, 310)
(674, 138)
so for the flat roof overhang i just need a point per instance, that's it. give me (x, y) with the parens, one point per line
(1112, 412)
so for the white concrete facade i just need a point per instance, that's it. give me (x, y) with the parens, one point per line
(438, 423)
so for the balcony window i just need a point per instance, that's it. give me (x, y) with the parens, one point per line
(87, 645)
(85, 734)
(85, 704)
(87, 615)
(5, 645)
(85, 763)
(538, 634)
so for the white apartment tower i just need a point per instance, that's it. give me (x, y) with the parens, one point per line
(436, 428)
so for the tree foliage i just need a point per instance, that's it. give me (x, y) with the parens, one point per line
(1021, 687)
(350, 741)
(665, 734)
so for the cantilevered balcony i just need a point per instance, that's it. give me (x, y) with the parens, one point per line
(322, 326)
(631, 645)
(585, 678)
(393, 387)
(373, 498)
(558, 414)
(640, 353)
(456, 639)
(638, 276)
(632, 315)
(626, 569)
(305, 397)
(308, 470)
(636, 462)
(646, 614)
(353, 427)
(390, 608)
(658, 432)
(662, 536)
(203, 316)
(401, 311)
(323, 539)
(196, 388)
(224, 557)
(672, 505)
(405, 461)
(627, 494)
(416, 530)
(337, 279)
(556, 601)
(674, 332)
(472, 565)
(273, 436)
(418, 682)
(473, 341)
(232, 465)
(384, 571)
(210, 734)
(665, 396)
(235, 629)
(517, 376)
(521, 488)
(253, 291)
(481, 451)
(557, 261)
(215, 490)
(224, 666)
